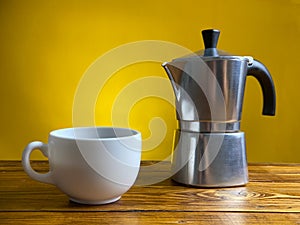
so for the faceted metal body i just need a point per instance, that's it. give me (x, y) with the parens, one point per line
(209, 148)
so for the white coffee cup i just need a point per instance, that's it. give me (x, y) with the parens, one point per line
(92, 165)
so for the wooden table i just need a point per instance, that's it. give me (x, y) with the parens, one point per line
(271, 197)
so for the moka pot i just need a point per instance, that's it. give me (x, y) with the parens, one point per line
(209, 148)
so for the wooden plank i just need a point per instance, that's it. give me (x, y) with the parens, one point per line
(274, 172)
(202, 218)
(14, 166)
(257, 171)
(27, 195)
(19, 193)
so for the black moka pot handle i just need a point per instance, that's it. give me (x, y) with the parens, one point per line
(261, 73)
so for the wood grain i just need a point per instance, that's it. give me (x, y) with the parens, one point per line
(132, 218)
(272, 196)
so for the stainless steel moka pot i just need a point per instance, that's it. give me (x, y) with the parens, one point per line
(209, 148)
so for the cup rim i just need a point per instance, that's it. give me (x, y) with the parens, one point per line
(61, 133)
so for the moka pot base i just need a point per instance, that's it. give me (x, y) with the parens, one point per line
(210, 159)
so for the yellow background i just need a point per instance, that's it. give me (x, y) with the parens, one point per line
(47, 45)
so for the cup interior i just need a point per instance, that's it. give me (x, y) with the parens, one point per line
(93, 133)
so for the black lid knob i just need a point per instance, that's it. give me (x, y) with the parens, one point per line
(210, 39)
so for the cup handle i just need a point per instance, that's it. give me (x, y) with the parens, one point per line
(45, 178)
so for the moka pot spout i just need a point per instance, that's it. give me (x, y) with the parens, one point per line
(170, 70)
